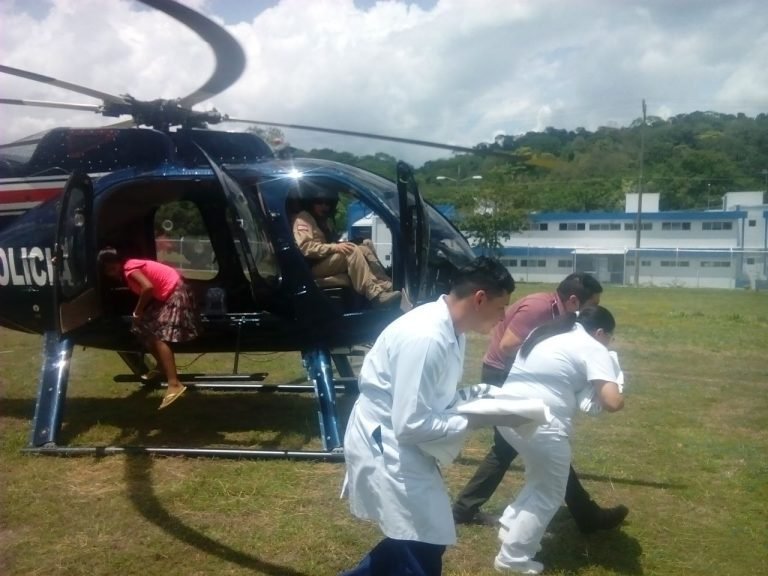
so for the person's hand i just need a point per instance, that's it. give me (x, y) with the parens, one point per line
(135, 318)
(345, 248)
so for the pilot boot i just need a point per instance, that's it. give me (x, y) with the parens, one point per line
(386, 299)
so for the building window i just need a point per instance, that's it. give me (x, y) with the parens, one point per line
(683, 264)
(606, 226)
(715, 264)
(629, 226)
(645, 263)
(533, 263)
(717, 226)
(675, 225)
(543, 226)
(750, 260)
(630, 263)
(564, 264)
(752, 223)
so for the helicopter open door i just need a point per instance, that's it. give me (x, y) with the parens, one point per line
(247, 225)
(414, 232)
(76, 300)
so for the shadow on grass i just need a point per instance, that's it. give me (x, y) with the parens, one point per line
(570, 551)
(199, 419)
(470, 461)
(138, 478)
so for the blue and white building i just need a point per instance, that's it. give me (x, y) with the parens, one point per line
(725, 248)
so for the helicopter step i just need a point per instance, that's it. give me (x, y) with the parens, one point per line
(238, 382)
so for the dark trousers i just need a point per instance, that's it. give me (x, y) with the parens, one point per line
(491, 472)
(401, 558)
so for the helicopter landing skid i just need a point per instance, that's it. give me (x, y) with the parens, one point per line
(52, 390)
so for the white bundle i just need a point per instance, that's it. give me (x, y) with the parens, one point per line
(482, 409)
(505, 411)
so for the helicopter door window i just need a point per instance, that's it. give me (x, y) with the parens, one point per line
(182, 241)
(246, 225)
(74, 253)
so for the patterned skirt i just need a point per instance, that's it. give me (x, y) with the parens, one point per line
(174, 320)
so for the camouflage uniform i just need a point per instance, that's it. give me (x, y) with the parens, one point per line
(326, 262)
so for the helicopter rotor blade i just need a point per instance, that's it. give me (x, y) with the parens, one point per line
(20, 144)
(48, 104)
(372, 136)
(61, 84)
(230, 58)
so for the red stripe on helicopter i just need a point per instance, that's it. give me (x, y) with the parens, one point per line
(29, 195)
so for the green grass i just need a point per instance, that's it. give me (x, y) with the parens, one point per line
(688, 455)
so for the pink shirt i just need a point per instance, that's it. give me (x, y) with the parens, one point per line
(521, 318)
(164, 278)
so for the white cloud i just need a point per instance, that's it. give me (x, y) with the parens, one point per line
(458, 73)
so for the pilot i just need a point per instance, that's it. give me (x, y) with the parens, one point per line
(316, 237)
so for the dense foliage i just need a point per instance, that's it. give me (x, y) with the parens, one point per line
(690, 159)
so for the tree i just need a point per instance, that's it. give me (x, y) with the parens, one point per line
(496, 212)
(272, 135)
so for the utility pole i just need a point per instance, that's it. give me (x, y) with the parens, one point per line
(639, 219)
(764, 172)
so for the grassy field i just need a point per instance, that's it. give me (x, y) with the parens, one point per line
(688, 455)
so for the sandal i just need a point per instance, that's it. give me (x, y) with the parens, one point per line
(171, 397)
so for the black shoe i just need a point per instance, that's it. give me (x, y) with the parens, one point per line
(604, 519)
(476, 519)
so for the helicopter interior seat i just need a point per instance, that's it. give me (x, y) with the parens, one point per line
(337, 287)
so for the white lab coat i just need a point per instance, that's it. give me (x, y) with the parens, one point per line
(408, 388)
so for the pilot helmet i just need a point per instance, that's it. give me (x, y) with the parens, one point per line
(312, 194)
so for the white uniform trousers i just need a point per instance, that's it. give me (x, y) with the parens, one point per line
(547, 456)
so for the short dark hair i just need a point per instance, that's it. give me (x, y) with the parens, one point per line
(482, 273)
(580, 284)
(108, 256)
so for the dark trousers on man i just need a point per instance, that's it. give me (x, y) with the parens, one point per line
(401, 558)
(491, 472)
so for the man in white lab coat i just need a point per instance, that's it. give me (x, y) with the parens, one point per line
(405, 412)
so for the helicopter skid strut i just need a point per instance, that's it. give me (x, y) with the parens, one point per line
(54, 378)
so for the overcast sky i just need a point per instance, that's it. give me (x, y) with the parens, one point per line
(455, 71)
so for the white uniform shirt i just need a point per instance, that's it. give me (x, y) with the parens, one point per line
(407, 383)
(558, 370)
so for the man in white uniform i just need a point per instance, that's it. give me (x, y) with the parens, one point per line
(408, 384)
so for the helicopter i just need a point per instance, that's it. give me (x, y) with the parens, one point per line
(69, 192)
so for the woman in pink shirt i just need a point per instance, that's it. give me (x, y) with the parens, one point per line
(165, 311)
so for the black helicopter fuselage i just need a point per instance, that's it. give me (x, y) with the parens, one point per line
(258, 292)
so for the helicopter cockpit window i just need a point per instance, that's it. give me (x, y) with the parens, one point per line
(182, 241)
